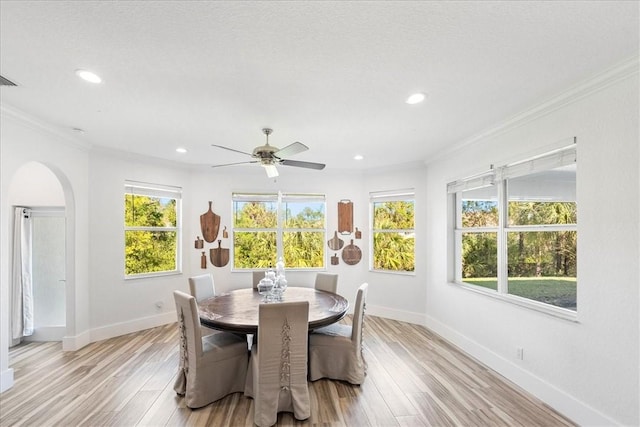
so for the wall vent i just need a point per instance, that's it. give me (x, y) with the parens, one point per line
(6, 82)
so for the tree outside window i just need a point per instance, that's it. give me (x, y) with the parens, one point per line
(479, 237)
(516, 229)
(268, 226)
(393, 231)
(151, 230)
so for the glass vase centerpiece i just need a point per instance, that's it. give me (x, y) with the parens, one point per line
(280, 284)
(265, 288)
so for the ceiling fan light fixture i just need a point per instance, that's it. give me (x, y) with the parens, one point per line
(416, 98)
(271, 169)
(88, 76)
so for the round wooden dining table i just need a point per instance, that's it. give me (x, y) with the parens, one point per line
(237, 311)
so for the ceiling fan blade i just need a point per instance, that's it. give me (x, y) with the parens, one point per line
(308, 165)
(290, 150)
(230, 149)
(237, 163)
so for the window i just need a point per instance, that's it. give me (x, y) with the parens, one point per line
(151, 229)
(392, 231)
(516, 229)
(269, 226)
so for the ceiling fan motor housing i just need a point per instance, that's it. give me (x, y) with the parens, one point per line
(265, 153)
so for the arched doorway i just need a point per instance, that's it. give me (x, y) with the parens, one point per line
(45, 195)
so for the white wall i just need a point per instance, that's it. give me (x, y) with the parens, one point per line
(119, 306)
(589, 369)
(23, 140)
(35, 185)
(400, 296)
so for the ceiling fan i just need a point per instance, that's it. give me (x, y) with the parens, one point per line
(269, 156)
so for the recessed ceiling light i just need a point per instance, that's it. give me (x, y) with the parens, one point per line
(88, 76)
(416, 98)
(358, 157)
(181, 150)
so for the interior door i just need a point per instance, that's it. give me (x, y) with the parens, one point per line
(48, 275)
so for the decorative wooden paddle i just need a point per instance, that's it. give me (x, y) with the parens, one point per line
(219, 256)
(209, 223)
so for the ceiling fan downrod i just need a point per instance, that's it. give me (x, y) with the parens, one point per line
(267, 131)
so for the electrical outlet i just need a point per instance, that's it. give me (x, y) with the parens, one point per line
(520, 353)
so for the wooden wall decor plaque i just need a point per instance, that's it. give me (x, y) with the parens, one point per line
(219, 256)
(345, 216)
(351, 254)
(209, 223)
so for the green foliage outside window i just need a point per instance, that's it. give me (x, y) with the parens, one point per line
(480, 249)
(256, 234)
(543, 253)
(150, 234)
(480, 256)
(530, 254)
(254, 249)
(393, 236)
(541, 264)
(516, 232)
(479, 213)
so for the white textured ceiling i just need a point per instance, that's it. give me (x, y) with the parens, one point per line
(333, 75)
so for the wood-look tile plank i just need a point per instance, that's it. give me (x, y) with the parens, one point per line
(391, 392)
(414, 378)
(411, 421)
(325, 402)
(161, 410)
(353, 413)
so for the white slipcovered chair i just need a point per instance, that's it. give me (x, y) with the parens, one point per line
(257, 276)
(202, 287)
(210, 367)
(327, 282)
(277, 375)
(335, 351)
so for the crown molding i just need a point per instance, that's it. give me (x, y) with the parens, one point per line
(31, 122)
(596, 83)
(100, 150)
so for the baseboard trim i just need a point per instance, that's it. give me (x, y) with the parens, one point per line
(75, 342)
(47, 333)
(6, 380)
(400, 315)
(135, 325)
(561, 401)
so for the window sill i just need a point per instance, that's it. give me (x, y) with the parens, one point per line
(400, 273)
(561, 313)
(152, 275)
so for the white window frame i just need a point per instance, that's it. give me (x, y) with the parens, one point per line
(499, 177)
(156, 190)
(399, 195)
(280, 199)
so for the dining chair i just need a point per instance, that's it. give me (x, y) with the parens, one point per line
(335, 351)
(277, 375)
(202, 287)
(327, 282)
(257, 276)
(210, 367)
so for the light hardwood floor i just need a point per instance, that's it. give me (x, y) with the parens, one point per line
(414, 378)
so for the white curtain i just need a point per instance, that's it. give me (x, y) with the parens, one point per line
(22, 287)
